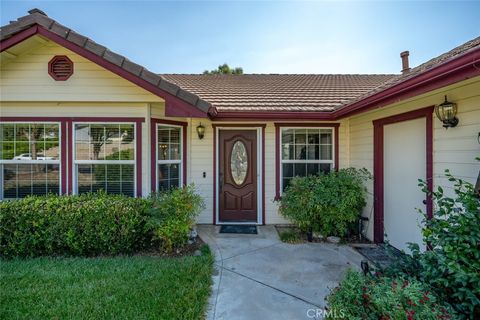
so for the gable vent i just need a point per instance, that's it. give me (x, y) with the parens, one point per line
(60, 68)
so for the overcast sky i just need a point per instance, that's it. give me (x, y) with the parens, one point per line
(266, 37)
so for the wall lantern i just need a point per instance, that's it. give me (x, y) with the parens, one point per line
(446, 112)
(200, 131)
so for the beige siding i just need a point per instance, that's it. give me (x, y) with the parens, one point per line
(454, 148)
(200, 159)
(26, 78)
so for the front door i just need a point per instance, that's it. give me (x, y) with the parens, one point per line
(237, 175)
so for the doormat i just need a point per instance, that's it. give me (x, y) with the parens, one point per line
(243, 229)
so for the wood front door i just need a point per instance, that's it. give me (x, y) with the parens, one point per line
(237, 175)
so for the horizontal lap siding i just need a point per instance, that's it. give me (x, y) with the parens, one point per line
(200, 159)
(26, 78)
(454, 148)
(27, 90)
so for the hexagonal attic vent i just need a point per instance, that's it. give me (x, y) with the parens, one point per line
(60, 68)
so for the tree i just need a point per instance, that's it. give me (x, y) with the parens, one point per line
(225, 69)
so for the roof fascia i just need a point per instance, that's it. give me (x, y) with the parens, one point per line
(174, 105)
(456, 70)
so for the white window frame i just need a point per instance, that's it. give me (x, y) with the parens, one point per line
(178, 161)
(282, 161)
(58, 161)
(77, 162)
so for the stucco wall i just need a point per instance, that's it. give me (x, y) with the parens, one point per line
(455, 148)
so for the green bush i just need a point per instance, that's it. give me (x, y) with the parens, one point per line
(328, 203)
(96, 223)
(88, 224)
(360, 297)
(452, 266)
(173, 213)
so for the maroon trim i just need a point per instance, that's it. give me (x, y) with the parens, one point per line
(214, 176)
(336, 161)
(153, 149)
(452, 71)
(63, 143)
(63, 156)
(240, 126)
(175, 109)
(255, 116)
(138, 146)
(461, 68)
(17, 38)
(106, 119)
(70, 156)
(279, 125)
(172, 102)
(263, 176)
(138, 159)
(51, 65)
(378, 164)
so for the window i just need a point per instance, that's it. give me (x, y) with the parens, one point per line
(29, 159)
(169, 156)
(305, 151)
(105, 158)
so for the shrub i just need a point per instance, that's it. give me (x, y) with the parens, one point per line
(173, 213)
(88, 224)
(328, 203)
(360, 297)
(290, 236)
(451, 266)
(96, 223)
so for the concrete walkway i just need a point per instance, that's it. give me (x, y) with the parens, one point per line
(259, 277)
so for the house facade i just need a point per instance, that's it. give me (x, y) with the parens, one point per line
(76, 117)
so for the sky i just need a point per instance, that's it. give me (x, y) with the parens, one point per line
(266, 36)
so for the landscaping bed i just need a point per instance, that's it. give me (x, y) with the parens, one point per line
(102, 256)
(292, 234)
(127, 287)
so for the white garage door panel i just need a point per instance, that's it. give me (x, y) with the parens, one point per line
(404, 164)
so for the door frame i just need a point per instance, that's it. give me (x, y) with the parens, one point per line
(378, 164)
(260, 129)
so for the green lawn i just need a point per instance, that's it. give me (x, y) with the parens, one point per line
(105, 288)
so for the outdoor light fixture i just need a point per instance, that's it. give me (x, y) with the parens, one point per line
(446, 112)
(200, 131)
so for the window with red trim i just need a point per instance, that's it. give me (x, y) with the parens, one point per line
(304, 152)
(105, 158)
(29, 159)
(169, 156)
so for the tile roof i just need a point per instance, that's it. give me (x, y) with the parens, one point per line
(426, 66)
(249, 92)
(278, 92)
(38, 17)
(307, 92)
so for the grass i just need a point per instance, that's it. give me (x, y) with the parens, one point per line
(290, 236)
(137, 287)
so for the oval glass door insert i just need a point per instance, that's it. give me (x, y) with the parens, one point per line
(239, 162)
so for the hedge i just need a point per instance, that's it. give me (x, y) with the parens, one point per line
(87, 225)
